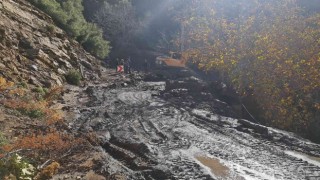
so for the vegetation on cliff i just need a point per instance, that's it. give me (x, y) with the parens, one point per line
(46, 139)
(69, 16)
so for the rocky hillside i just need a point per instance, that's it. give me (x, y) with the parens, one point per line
(34, 50)
(35, 59)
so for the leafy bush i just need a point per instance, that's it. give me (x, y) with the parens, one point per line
(50, 28)
(16, 167)
(68, 15)
(30, 104)
(23, 85)
(48, 172)
(53, 93)
(33, 109)
(39, 90)
(73, 77)
(4, 84)
(96, 45)
(35, 113)
(3, 140)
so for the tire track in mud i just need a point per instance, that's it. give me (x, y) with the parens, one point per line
(160, 138)
(258, 154)
(258, 158)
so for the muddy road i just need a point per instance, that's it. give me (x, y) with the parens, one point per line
(178, 129)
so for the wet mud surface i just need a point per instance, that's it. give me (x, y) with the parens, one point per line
(177, 129)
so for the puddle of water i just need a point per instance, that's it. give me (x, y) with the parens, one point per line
(219, 170)
(215, 166)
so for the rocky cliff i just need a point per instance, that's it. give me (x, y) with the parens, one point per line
(36, 54)
(34, 50)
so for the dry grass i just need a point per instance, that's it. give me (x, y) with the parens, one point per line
(44, 132)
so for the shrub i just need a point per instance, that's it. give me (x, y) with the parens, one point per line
(16, 167)
(34, 113)
(68, 15)
(53, 93)
(48, 172)
(23, 85)
(33, 109)
(4, 84)
(39, 90)
(96, 45)
(34, 105)
(73, 77)
(50, 28)
(47, 143)
(3, 140)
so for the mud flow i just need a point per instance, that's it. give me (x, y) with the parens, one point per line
(178, 129)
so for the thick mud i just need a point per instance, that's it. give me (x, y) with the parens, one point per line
(178, 129)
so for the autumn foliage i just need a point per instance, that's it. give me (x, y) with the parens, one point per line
(4, 84)
(32, 105)
(53, 143)
(45, 137)
(268, 50)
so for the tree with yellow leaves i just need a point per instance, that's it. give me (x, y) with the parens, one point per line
(268, 50)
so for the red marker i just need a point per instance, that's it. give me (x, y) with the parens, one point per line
(120, 68)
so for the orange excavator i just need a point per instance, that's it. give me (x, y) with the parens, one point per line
(177, 60)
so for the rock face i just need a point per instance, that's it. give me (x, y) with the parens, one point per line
(33, 50)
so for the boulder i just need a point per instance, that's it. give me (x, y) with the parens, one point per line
(33, 80)
(2, 34)
(74, 59)
(31, 53)
(43, 57)
(47, 84)
(12, 67)
(2, 66)
(64, 63)
(74, 56)
(56, 54)
(56, 78)
(61, 72)
(86, 64)
(34, 67)
(55, 63)
(25, 43)
(92, 175)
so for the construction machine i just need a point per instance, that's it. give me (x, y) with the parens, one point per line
(175, 59)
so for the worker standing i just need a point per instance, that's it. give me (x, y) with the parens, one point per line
(146, 65)
(128, 65)
(117, 64)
